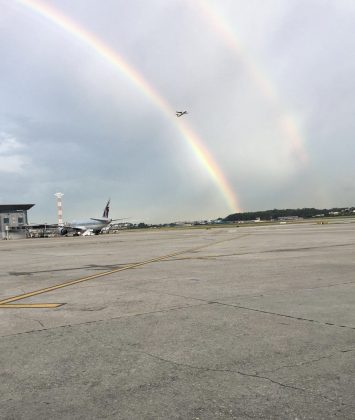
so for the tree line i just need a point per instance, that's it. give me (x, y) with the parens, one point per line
(304, 213)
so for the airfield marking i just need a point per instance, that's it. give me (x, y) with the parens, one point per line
(7, 303)
(31, 305)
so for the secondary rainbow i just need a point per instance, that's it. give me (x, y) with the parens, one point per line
(287, 122)
(111, 56)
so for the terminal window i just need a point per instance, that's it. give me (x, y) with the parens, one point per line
(6, 220)
(20, 220)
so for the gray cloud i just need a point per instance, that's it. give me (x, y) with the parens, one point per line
(71, 121)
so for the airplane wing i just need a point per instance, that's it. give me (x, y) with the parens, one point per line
(72, 229)
(106, 220)
(78, 228)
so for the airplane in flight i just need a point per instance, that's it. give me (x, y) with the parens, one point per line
(181, 113)
(93, 226)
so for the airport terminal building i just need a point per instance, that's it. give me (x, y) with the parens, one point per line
(13, 218)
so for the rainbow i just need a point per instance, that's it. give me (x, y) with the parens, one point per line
(112, 57)
(287, 122)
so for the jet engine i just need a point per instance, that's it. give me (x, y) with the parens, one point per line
(62, 231)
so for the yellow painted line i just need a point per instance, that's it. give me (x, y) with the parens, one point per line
(31, 305)
(106, 273)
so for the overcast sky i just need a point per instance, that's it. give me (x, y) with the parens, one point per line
(268, 85)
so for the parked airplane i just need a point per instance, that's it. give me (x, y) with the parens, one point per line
(88, 227)
(180, 113)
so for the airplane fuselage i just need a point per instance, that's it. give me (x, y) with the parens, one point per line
(94, 225)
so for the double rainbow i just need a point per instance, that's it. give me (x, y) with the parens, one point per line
(113, 57)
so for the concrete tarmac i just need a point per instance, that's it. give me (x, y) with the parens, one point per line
(226, 323)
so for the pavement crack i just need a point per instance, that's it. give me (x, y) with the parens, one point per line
(266, 251)
(40, 322)
(298, 318)
(175, 308)
(306, 362)
(144, 289)
(244, 307)
(93, 309)
(249, 375)
(18, 316)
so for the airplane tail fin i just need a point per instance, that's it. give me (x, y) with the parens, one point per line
(106, 210)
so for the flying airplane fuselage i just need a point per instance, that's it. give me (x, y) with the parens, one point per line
(180, 113)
